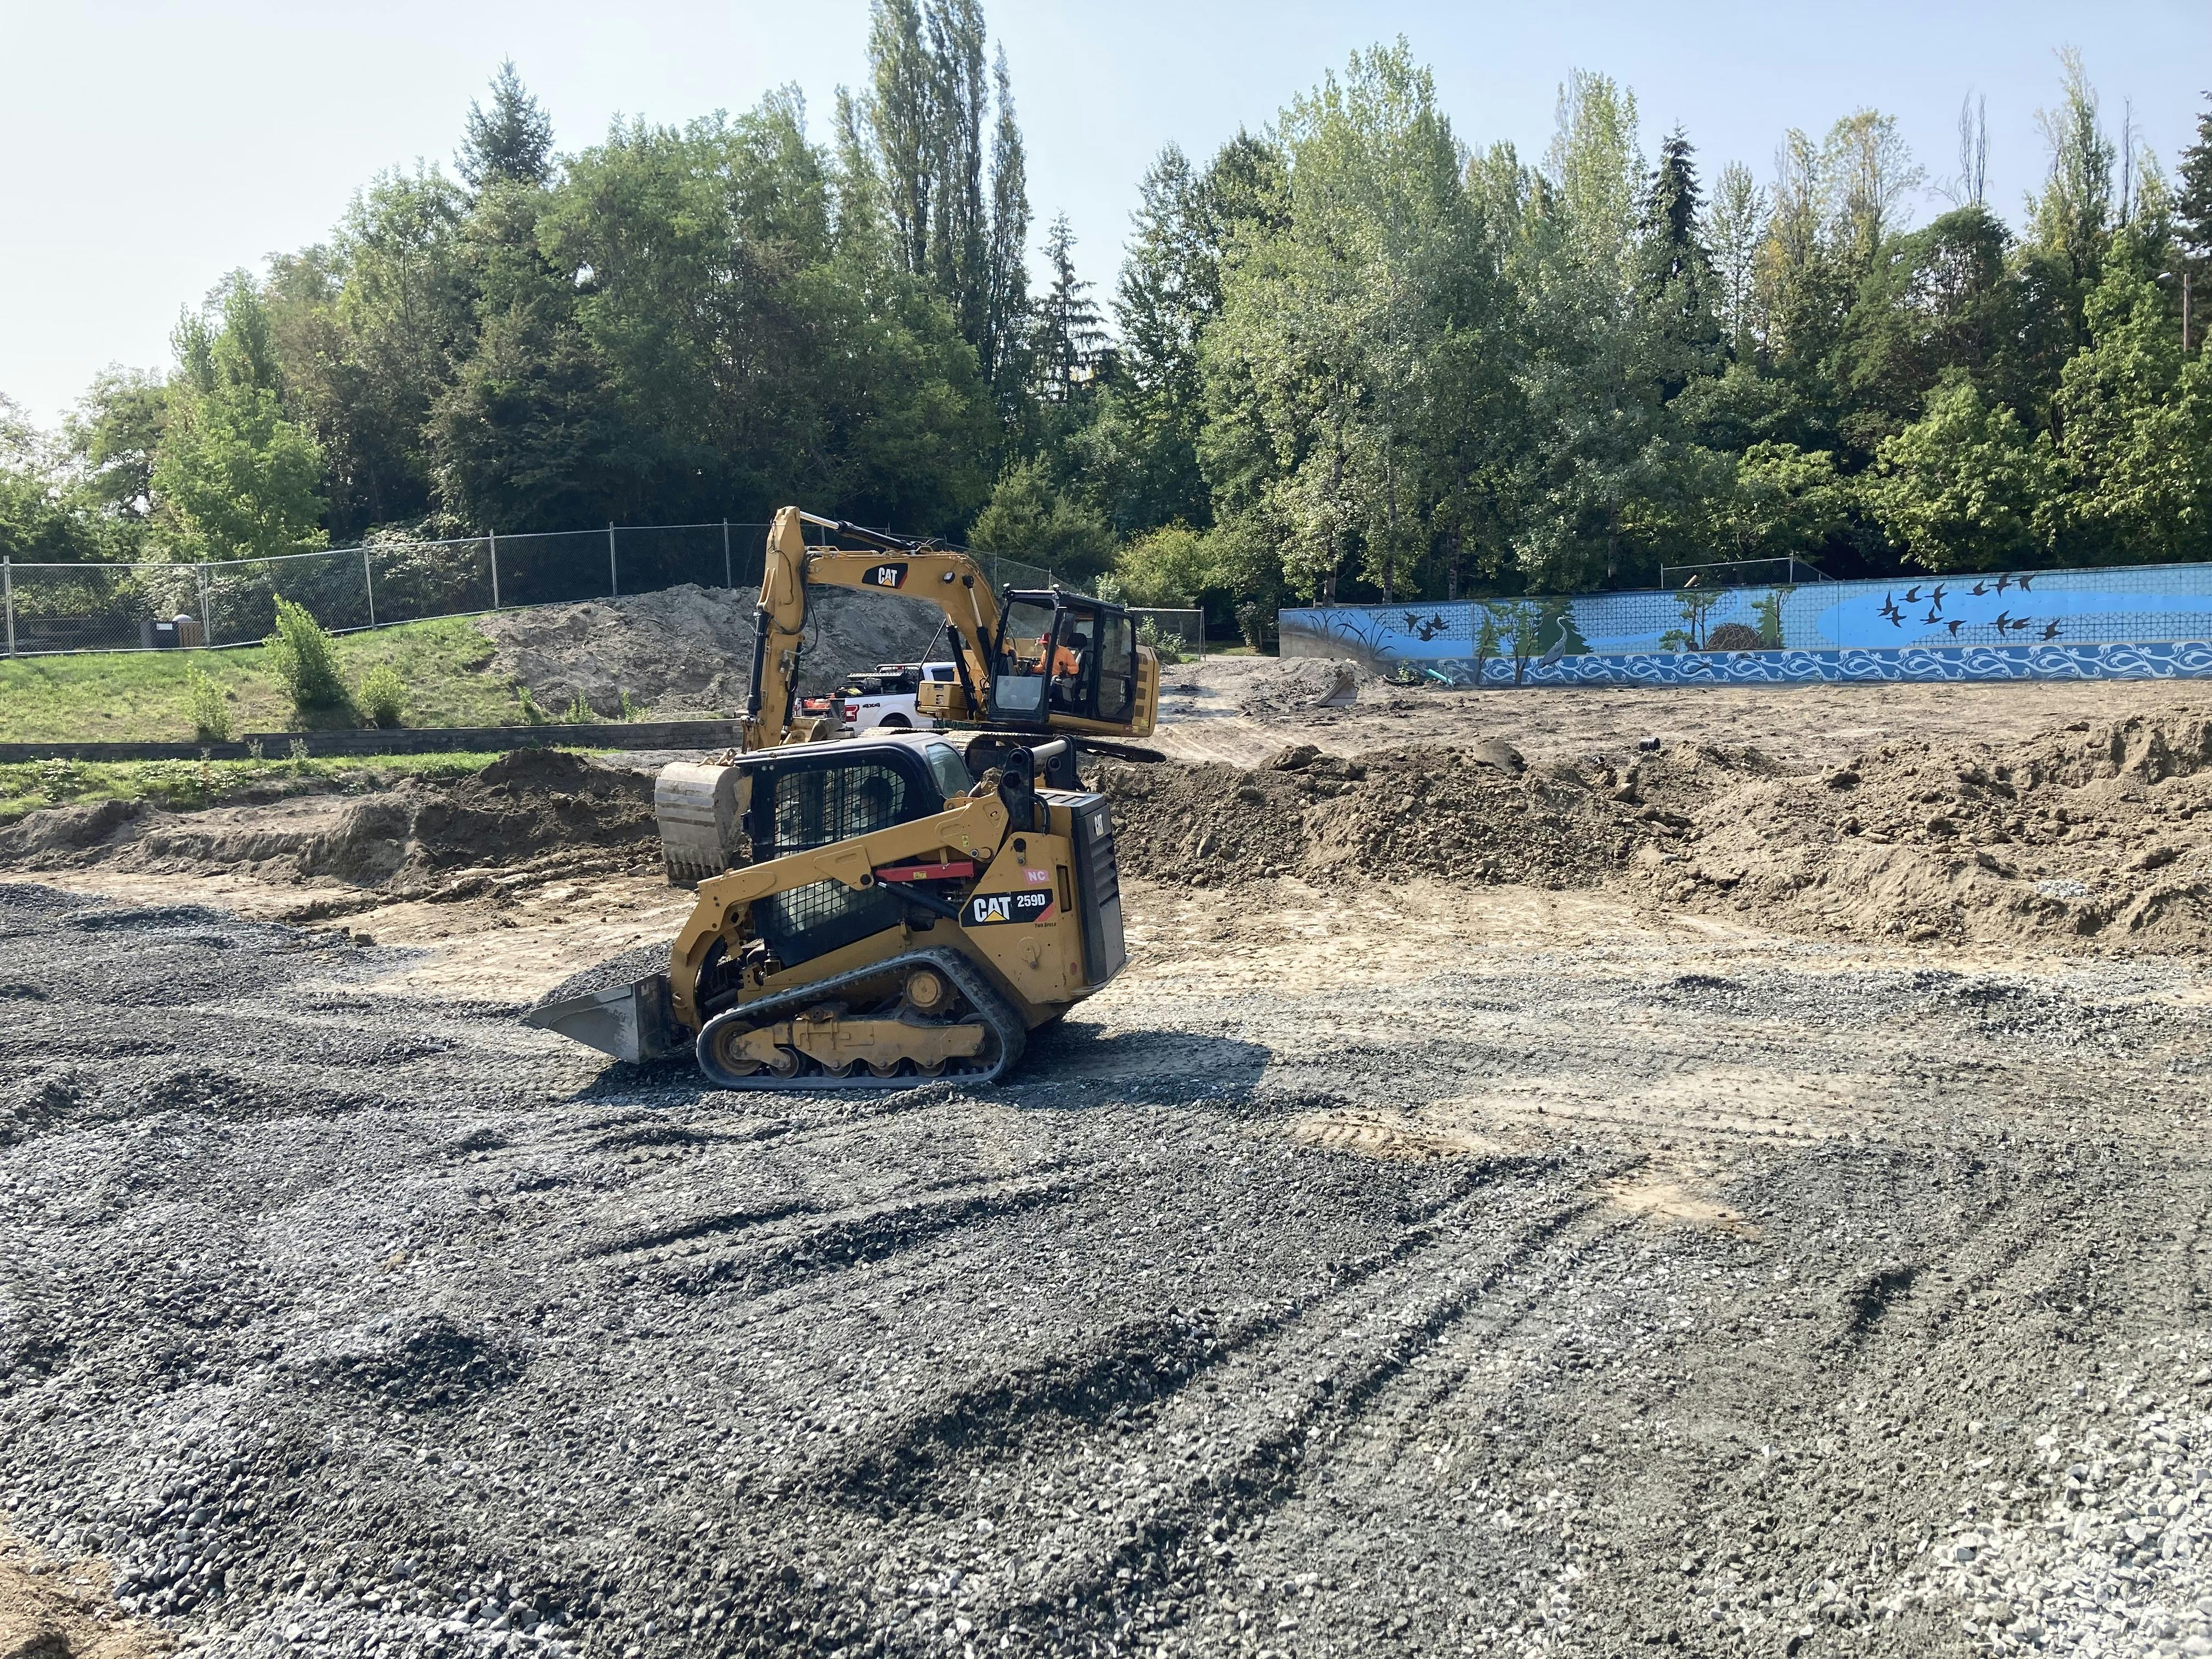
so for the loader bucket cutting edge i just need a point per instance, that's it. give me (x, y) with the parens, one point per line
(630, 1022)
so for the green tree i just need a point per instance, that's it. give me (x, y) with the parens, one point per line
(1139, 453)
(952, 225)
(1967, 487)
(1070, 332)
(1784, 502)
(1168, 566)
(2134, 434)
(368, 330)
(1736, 225)
(1028, 519)
(39, 521)
(1601, 357)
(511, 142)
(2192, 210)
(2070, 222)
(1940, 299)
(233, 478)
(531, 431)
(1342, 334)
(112, 436)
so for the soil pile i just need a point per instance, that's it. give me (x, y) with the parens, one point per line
(520, 811)
(53, 1609)
(2091, 833)
(1299, 684)
(535, 813)
(689, 649)
(1473, 814)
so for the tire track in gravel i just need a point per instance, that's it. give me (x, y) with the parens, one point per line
(1138, 1372)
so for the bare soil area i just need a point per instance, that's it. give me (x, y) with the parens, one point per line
(1489, 1215)
(1239, 710)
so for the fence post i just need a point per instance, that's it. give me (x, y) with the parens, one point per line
(368, 586)
(207, 620)
(493, 538)
(727, 582)
(614, 581)
(8, 588)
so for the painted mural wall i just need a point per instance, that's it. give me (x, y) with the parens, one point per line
(2124, 622)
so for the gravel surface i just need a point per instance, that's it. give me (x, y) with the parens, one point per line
(1684, 1290)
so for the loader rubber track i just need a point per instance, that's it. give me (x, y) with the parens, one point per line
(996, 1014)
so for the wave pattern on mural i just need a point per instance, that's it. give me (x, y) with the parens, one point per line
(2154, 660)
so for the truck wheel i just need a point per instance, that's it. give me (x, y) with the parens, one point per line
(896, 723)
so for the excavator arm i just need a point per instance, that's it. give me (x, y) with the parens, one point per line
(884, 564)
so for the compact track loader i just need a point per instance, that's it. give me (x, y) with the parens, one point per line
(909, 904)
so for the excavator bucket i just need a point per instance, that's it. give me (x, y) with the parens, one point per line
(630, 1022)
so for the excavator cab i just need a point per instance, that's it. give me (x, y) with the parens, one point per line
(1062, 658)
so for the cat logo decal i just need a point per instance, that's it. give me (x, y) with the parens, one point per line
(988, 909)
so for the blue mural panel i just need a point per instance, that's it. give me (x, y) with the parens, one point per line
(2129, 622)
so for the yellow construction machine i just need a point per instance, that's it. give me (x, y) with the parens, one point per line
(902, 904)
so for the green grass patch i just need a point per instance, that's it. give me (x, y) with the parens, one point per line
(144, 696)
(186, 785)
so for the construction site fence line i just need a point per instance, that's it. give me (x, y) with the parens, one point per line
(53, 608)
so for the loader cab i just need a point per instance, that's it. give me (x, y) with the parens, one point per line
(816, 794)
(1063, 656)
(808, 795)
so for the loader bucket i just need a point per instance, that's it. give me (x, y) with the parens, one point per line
(630, 1022)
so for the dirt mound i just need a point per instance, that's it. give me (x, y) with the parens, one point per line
(517, 810)
(2088, 834)
(57, 1610)
(546, 812)
(1399, 813)
(1300, 684)
(689, 648)
(2096, 837)
(62, 830)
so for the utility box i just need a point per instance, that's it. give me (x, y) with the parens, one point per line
(158, 634)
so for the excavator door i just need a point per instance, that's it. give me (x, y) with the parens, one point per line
(1062, 658)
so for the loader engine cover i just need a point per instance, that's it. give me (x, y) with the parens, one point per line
(700, 810)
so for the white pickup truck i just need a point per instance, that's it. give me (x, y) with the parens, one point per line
(883, 697)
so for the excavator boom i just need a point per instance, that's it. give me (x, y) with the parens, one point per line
(1047, 661)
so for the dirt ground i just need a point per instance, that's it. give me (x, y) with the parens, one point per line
(1504, 1247)
(1810, 726)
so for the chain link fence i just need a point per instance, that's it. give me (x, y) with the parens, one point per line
(52, 608)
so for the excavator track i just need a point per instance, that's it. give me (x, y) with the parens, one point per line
(1006, 1035)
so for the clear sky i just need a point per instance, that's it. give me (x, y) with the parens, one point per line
(151, 147)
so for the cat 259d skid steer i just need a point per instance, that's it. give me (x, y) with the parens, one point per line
(909, 904)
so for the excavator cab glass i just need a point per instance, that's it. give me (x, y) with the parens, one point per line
(1062, 653)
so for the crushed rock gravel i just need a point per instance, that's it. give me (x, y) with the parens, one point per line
(347, 1324)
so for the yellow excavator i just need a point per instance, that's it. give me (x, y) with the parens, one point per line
(906, 904)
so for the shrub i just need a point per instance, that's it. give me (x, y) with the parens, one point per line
(1166, 566)
(532, 714)
(210, 714)
(305, 658)
(579, 713)
(1256, 622)
(383, 694)
(1168, 648)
